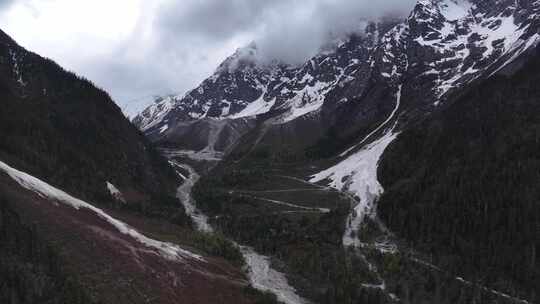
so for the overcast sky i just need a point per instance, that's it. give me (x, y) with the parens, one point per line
(137, 48)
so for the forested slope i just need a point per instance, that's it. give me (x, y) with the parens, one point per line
(60, 127)
(463, 184)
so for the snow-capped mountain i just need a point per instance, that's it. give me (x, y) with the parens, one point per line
(245, 86)
(443, 45)
(136, 106)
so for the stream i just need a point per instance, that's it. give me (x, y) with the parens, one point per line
(260, 273)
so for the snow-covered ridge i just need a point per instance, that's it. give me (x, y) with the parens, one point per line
(246, 86)
(167, 250)
(466, 39)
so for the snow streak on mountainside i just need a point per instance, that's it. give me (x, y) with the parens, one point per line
(167, 250)
(113, 190)
(155, 113)
(357, 174)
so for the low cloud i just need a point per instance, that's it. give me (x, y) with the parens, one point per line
(291, 31)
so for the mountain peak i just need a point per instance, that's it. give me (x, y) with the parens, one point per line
(442, 46)
(247, 56)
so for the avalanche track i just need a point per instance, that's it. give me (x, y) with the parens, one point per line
(357, 174)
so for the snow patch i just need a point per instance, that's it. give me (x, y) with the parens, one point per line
(520, 48)
(163, 128)
(455, 9)
(115, 192)
(495, 36)
(357, 174)
(306, 100)
(257, 107)
(226, 109)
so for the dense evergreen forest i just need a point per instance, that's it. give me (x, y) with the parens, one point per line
(309, 247)
(463, 187)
